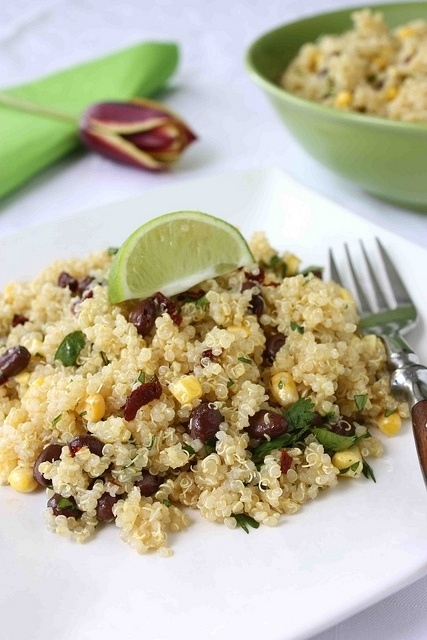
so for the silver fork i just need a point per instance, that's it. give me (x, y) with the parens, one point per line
(390, 322)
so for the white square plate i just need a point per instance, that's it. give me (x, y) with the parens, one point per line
(341, 553)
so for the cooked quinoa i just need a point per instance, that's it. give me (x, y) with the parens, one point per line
(370, 69)
(220, 405)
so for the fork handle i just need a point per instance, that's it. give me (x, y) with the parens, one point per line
(410, 383)
(399, 352)
(419, 423)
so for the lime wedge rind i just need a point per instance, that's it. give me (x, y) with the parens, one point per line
(174, 252)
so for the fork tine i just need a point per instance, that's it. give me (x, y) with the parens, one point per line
(400, 292)
(380, 298)
(334, 269)
(365, 306)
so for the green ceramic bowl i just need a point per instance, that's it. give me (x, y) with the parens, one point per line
(387, 158)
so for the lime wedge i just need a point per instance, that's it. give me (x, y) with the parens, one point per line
(173, 253)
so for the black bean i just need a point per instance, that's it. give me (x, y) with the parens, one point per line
(272, 346)
(317, 420)
(93, 444)
(84, 284)
(13, 361)
(18, 319)
(104, 507)
(344, 427)
(64, 506)
(204, 421)
(267, 423)
(67, 280)
(143, 316)
(256, 305)
(49, 454)
(148, 484)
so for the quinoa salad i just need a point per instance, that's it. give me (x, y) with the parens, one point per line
(370, 69)
(242, 398)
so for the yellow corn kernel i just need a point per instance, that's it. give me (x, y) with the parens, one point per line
(380, 62)
(37, 382)
(292, 264)
(405, 32)
(9, 293)
(389, 424)
(186, 389)
(21, 479)
(22, 378)
(245, 331)
(313, 63)
(93, 407)
(283, 388)
(346, 295)
(390, 93)
(343, 99)
(350, 461)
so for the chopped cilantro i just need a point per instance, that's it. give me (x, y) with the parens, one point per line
(202, 302)
(297, 327)
(189, 449)
(245, 360)
(333, 441)
(352, 467)
(56, 420)
(210, 445)
(360, 401)
(230, 383)
(300, 413)
(141, 377)
(368, 471)
(65, 503)
(243, 520)
(70, 347)
(389, 412)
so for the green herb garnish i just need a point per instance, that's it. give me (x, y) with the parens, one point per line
(333, 441)
(360, 401)
(111, 251)
(300, 414)
(69, 349)
(141, 377)
(245, 360)
(297, 327)
(65, 503)
(352, 467)
(56, 420)
(210, 445)
(189, 449)
(202, 302)
(389, 412)
(243, 520)
(368, 471)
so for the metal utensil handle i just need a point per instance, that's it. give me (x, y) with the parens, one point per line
(410, 383)
(419, 422)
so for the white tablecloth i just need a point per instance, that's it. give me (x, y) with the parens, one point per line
(237, 129)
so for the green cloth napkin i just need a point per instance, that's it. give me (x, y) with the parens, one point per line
(30, 143)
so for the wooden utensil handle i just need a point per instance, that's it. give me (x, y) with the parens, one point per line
(419, 422)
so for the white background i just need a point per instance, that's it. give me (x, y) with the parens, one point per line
(236, 129)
